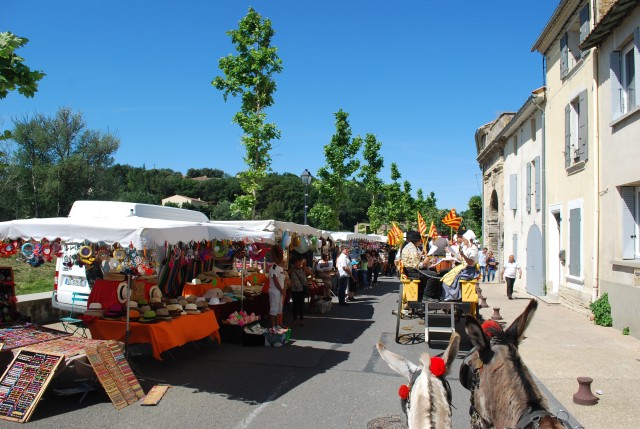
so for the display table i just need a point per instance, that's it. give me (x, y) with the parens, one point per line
(162, 335)
(105, 292)
(258, 305)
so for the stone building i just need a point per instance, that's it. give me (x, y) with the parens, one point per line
(491, 159)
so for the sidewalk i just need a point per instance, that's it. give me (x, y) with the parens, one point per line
(561, 345)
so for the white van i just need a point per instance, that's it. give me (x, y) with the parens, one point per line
(72, 283)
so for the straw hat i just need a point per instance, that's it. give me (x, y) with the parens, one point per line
(148, 316)
(95, 309)
(155, 292)
(121, 292)
(192, 308)
(163, 313)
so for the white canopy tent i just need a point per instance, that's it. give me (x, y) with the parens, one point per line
(139, 231)
(346, 236)
(275, 226)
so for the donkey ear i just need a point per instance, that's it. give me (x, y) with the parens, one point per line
(477, 336)
(452, 349)
(517, 328)
(396, 362)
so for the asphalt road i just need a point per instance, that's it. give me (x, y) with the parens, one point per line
(329, 376)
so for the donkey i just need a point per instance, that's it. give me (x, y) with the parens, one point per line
(503, 393)
(426, 400)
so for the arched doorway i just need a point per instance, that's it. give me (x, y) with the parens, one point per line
(492, 242)
(535, 282)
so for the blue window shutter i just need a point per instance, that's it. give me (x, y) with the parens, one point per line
(515, 246)
(564, 55)
(528, 187)
(567, 136)
(574, 242)
(583, 126)
(513, 191)
(635, 101)
(584, 22)
(538, 167)
(616, 86)
(628, 194)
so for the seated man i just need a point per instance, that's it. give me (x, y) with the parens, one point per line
(325, 271)
(412, 261)
(468, 254)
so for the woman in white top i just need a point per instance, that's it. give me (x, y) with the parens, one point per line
(276, 288)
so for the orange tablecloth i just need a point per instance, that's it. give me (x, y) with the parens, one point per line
(162, 335)
(199, 290)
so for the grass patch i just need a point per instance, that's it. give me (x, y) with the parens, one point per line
(31, 279)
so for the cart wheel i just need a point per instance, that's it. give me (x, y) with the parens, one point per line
(399, 313)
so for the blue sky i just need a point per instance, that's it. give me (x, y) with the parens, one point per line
(420, 75)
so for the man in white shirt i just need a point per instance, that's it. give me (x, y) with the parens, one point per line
(511, 268)
(344, 272)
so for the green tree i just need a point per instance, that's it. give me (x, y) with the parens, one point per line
(14, 73)
(472, 217)
(250, 74)
(340, 165)
(373, 164)
(62, 161)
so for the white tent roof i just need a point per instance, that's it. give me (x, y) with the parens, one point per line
(275, 226)
(140, 231)
(346, 236)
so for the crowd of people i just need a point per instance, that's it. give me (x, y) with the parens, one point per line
(439, 264)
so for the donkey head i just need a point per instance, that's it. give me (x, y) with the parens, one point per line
(426, 398)
(502, 389)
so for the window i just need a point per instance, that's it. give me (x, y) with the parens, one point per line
(538, 167)
(533, 129)
(576, 131)
(575, 242)
(514, 238)
(576, 32)
(513, 192)
(529, 167)
(623, 68)
(630, 215)
(515, 144)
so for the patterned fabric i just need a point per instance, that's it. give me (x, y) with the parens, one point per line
(410, 256)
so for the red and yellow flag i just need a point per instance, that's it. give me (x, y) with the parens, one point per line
(398, 233)
(422, 225)
(452, 220)
(432, 230)
(391, 239)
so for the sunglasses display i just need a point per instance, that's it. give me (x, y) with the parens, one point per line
(24, 382)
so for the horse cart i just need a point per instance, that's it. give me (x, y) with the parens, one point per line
(440, 318)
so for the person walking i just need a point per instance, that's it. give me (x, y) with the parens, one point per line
(298, 274)
(511, 268)
(343, 264)
(492, 266)
(482, 261)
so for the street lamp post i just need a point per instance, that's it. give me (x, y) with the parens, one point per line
(306, 180)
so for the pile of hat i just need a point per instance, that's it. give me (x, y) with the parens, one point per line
(115, 312)
(95, 309)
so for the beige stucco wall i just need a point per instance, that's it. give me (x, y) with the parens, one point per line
(567, 190)
(619, 155)
(519, 221)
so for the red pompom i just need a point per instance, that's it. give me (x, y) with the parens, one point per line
(404, 391)
(489, 327)
(437, 367)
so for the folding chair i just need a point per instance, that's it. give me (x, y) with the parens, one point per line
(71, 323)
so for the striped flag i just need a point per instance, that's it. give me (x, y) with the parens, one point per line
(432, 230)
(398, 233)
(452, 220)
(422, 225)
(391, 239)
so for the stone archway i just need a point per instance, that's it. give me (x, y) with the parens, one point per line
(492, 241)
